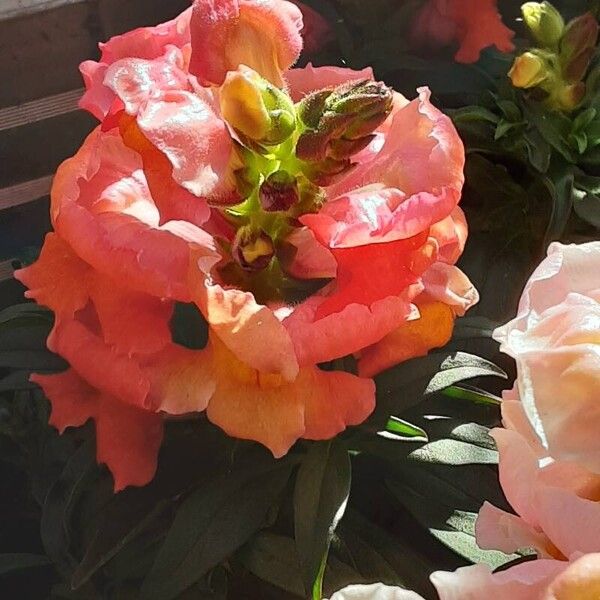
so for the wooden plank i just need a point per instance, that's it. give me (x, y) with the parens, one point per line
(22, 193)
(39, 110)
(9, 9)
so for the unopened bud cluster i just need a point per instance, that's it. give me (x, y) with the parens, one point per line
(559, 64)
(287, 152)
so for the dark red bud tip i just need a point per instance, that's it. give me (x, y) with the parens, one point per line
(279, 192)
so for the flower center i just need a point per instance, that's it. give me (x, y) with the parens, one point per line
(287, 155)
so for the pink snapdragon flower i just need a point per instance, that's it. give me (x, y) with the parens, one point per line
(194, 189)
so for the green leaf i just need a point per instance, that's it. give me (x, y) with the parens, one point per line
(408, 383)
(454, 528)
(454, 452)
(320, 496)
(189, 328)
(129, 513)
(274, 558)
(213, 522)
(472, 395)
(473, 113)
(31, 359)
(18, 562)
(560, 185)
(401, 429)
(58, 506)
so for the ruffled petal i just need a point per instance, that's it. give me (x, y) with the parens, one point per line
(522, 582)
(311, 260)
(580, 581)
(265, 408)
(473, 24)
(100, 365)
(433, 329)
(422, 159)
(102, 206)
(144, 42)
(496, 529)
(185, 128)
(131, 322)
(355, 327)
(128, 438)
(303, 81)
(250, 330)
(449, 285)
(264, 36)
(135, 80)
(73, 400)
(57, 279)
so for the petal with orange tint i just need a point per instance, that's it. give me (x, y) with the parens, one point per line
(131, 322)
(128, 441)
(181, 380)
(580, 581)
(73, 400)
(58, 278)
(127, 438)
(357, 326)
(100, 365)
(265, 408)
(102, 206)
(264, 36)
(433, 329)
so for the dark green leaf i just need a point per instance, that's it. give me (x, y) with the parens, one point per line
(274, 558)
(56, 514)
(212, 523)
(560, 185)
(320, 496)
(454, 452)
(31, 359)
(18, 562)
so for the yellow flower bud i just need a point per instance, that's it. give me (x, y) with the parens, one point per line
(255, 108)
(528, 70)
(568, 97)
(544, 21)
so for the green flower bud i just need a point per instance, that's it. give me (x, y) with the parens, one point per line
(252, 249)
(349, 112)
(544, 22)
(256, 109)
(529, 70)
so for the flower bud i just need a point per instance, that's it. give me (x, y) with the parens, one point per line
(578, 47)
(252, 249)
(580, 34)
(349, 112)
(528, 70)
(569, 97)
(279, 192)
(256, 109)
(544, 21)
